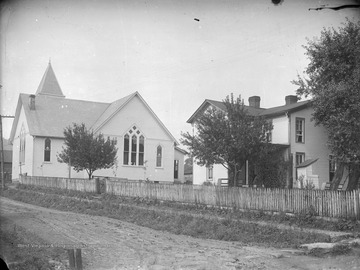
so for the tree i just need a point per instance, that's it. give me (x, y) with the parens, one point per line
(87, 151)
(227, 137)
(269, 168)
(333, 81)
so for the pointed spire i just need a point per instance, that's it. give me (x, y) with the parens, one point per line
(49, 84)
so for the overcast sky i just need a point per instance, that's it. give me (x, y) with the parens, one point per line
(175, 53)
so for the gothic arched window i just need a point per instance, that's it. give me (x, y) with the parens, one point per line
(47, 149)
(159, 156)
(134, 147)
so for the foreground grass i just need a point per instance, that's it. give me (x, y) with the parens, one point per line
(22, 250)
(196, 221)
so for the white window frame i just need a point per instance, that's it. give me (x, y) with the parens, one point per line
(47, 150)
(209, 173)
(159, 157)
(22, 140)
(139, 160)
(299, 130)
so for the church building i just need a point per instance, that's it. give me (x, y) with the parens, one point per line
(146, 148)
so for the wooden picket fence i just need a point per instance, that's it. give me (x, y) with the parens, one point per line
(324, 203)
(78, 184)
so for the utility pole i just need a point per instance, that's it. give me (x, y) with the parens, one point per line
(2, 158)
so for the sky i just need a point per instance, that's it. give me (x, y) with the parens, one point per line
(175, 53)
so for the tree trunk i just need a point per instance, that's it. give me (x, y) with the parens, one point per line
(354, 176)
(337, 176)
(231, 176)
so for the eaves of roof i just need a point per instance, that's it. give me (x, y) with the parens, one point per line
(307, 163)
(53, 114)
(268, 113)
(280, 110)
(220, 105)
(116, 106)
(181, 150)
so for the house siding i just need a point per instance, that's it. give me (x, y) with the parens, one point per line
(26, 167)
(315, 145)
(135, 113)
(280, 132)
(52, 167)
(199, 173)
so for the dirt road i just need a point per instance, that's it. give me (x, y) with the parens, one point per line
(112, 244)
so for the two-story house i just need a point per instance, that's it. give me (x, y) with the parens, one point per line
(146, 148)
(303, 143)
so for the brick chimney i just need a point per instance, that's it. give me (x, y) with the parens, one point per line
(290, 99)
(254, 101)
(32, 102)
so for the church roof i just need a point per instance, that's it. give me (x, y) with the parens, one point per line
(49, 85)
(52, 115)
(110, 111)
(117, 105)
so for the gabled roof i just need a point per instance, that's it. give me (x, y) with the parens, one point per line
(49, 85)
(110, 111)
(52, 114)
(275, 111)
(182, 151)
(271, 112)
(220, 105)
(117, 105)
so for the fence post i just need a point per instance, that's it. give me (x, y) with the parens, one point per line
(78, 259)
(97, 185)
(71, 259)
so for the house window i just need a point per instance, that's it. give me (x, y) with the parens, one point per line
(176, 169)
(158, 156)
(126, 149)
(22, 146)
(300, 130)
(134, 147)
(141, 150)
(300, 158)
(332, 167)
(269, 136)
(209, 173)
(47, 149)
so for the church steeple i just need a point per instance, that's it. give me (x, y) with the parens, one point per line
(49, 84)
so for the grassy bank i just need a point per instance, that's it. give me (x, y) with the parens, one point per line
(194, 220)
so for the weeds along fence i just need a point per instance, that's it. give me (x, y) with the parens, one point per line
(78, 184)
(324, 203)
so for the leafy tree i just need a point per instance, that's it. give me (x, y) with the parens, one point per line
(270, 168)
(87, 151)
(332, 79)
(227, 137)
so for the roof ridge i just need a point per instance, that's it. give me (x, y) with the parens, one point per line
(96, 125)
